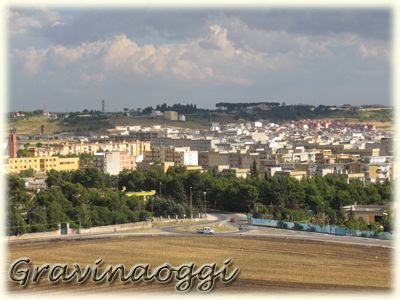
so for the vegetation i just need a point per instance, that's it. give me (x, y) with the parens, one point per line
(24, 153)
(27, 173)
(96, 121)
(242, 105)
(92, 198)
(82, 198)
(179, 108)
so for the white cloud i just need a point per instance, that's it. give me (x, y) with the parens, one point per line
(20, 23)
(32, 59)
(373, 51)
(235, 55)
(189, 61)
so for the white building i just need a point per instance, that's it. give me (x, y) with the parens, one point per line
(114, 162)
(190, 158)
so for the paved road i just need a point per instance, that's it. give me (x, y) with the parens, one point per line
(225, 219)
(314, 236)
(260, 231)
(215, 218)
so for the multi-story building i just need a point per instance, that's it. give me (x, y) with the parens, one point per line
(299, 175)
(114, 162)
(194, 144)
(135, 148)
(141, 135)
(240, 173)
(42, 164)
(180, 156)
(159, 167)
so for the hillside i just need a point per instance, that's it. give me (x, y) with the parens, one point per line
(94, 124)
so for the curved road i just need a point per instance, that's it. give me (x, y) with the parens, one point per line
(267, 232)
(217, 218)
(224, 219)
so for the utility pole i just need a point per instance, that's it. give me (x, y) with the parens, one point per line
(190, 198)
(18, 221)
(205, 205)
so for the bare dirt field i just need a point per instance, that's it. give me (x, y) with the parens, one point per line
(266, 264)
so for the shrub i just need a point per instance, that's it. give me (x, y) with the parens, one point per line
(298, 226)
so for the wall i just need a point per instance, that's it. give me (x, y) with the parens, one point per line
(35, 235)
(117, 227)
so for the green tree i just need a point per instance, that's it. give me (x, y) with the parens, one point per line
(253, 169)
(24, 153)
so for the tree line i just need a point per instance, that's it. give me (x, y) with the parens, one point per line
(87, 197)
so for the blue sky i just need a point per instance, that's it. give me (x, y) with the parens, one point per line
(64, 60)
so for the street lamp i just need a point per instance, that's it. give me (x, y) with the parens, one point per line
(190, 198)
(205, 205)
(152, 207)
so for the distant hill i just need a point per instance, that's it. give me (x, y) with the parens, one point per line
(96, 122)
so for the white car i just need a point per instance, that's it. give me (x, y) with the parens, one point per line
(206, 230)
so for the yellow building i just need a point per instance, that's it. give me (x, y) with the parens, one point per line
(143, 194)
(171, 115)
(42, 164)
(299, 175)
(161, 168)
(239, 173)
(135, 148)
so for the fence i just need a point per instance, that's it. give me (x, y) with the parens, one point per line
(72, 231)
(335, 230)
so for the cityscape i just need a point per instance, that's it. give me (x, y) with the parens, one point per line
(296, 194)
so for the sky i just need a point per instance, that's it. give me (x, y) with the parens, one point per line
(71, 59)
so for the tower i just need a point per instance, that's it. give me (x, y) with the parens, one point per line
(103, 106)
(12, 145)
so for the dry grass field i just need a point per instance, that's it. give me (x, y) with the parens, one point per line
(32, 125)
(266, 265)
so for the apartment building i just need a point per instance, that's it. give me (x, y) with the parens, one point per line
(158, 167)
(42, 164)
(193, 144)
(135, 148)
(299, 175)
(179, 155)
(114, 162)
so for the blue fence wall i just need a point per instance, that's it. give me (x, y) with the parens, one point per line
(336, 230)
